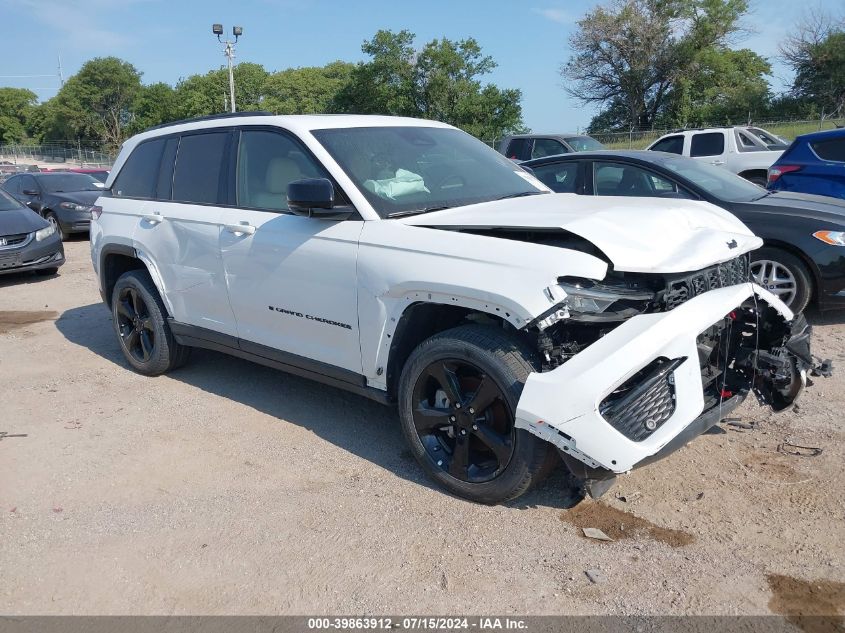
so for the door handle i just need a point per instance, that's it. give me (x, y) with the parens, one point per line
(152, 218)
(244, 228)
(718, 162)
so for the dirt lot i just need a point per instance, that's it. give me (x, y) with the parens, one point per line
(231, 488)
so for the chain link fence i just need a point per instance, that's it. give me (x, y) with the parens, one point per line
(22, 157)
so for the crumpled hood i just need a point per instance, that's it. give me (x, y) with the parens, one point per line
(87, 198)
(636, 234)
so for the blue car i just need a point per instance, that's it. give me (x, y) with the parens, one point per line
(814, 163)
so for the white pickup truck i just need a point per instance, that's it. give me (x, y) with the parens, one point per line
(746, 151)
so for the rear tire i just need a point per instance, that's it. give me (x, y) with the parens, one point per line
(760, 181)
(477, 455)
(140, 321)
(769, 265)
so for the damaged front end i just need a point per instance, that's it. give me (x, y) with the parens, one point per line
(637, 366)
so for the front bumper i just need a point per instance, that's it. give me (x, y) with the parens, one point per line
(74, 221)
(568, 406)
(33, 256)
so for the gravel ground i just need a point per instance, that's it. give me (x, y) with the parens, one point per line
(230, 488)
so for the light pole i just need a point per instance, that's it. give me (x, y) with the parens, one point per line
(229, 52)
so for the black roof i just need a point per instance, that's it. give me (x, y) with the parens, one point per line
(211, 117)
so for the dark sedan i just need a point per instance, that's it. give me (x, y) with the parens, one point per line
(63, 199)
(803, 257)
(27, 241)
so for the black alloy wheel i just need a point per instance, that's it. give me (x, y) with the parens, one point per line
(137, 334)
(140, 322)
(463, 420)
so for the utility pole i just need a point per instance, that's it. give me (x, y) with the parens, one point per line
(229, 52)
(61, 75)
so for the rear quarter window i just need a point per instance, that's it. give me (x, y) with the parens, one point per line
(832, 149)
(139, 176)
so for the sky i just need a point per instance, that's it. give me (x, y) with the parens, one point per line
(170, 39)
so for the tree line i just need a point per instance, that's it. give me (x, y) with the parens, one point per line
(669, 63)
(107, 102)
(644, 64)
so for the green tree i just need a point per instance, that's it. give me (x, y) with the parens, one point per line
(201, 95)
(722, 86)
(154, 105)
(816, 52)
(95, 103)
(383, 84)
(628, 55)
(309, 90)
(17, 107)
(441, 81)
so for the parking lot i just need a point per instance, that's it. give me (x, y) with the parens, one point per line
(226, 487)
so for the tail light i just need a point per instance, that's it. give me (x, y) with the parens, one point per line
(780, 170)
(96, 211)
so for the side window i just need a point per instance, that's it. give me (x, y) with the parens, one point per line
(671, 144)
(28, 183)
(559, 177)
(614, 179)
(137, 178)
(200, 170)
(547, 147)
(13, 185)
(833, 149)
(519, 149)
(745, 143)
(267, 163)
(707, 144)
(164, 182)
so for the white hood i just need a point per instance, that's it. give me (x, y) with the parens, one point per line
(636, 234)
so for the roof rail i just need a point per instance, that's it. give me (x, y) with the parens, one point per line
(211, 117)
(705, 127)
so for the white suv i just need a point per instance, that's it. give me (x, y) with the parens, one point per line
(408, 262)
(746, 151)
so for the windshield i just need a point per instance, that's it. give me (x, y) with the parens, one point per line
(403, 170)
(7, 202)
(715, 180)
(59, 183)
(584, 144)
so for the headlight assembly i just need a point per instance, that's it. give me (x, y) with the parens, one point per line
(587, 300)
(72, 206)
(834, 238)
(44, 233)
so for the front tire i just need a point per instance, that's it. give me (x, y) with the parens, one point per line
(52, 219)
(784, 275)
(140, 321)
(457, 399)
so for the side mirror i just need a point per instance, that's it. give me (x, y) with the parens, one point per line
(314, 198)
(30, 192)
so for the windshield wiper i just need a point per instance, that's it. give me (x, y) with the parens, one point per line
(403, 214)
(522, 194)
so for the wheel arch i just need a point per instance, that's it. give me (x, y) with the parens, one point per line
(801, 255)
(117, 259)
(422, 320)
(748, 173)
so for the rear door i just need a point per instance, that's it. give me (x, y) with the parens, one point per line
(292, 280)
(708, 147)
(182, 183)
(829, 171)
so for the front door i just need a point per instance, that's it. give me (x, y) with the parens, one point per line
(292, 280)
